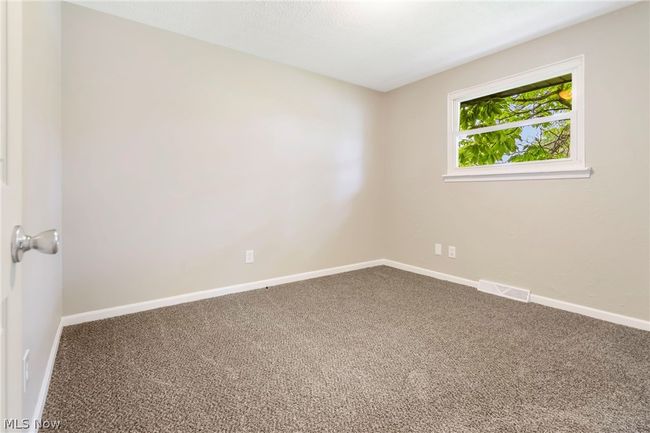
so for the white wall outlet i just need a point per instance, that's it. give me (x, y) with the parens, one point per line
(25, 370)
(438, 249)
(451, 251)
(250, 256)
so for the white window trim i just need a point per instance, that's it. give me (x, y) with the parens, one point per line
(573, 167)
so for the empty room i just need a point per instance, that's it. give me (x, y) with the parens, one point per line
(327, 216)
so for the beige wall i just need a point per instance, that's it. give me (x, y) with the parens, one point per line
(180, 155)
(41, 274)
(583, 241)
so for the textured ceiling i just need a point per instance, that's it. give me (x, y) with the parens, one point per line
(380, 45)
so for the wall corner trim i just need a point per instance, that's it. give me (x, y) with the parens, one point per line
(243, 287)
(431, 273)
(607, 316)
(45, 384)
(121, 310)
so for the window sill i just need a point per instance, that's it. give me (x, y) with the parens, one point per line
(579, 173)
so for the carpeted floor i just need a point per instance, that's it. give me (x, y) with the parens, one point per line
(376, 350)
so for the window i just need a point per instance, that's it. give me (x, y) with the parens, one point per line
(527, 126)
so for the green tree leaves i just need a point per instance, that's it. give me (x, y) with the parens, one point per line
(488, 148)
(550, 140)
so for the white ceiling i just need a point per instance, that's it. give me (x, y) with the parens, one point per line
(380, 45)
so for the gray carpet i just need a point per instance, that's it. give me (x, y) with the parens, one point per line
(376, 350)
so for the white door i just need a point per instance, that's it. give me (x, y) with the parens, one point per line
(11, 203)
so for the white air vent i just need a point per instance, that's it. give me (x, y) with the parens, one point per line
(503, 290)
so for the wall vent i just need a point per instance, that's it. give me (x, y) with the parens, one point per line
(506, 291)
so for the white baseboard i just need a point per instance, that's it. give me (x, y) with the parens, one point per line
(205, 294)
(211, 293)
(619, 319)
(45, 384)
(430, 273)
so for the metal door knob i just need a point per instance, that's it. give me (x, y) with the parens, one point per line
(46, 242)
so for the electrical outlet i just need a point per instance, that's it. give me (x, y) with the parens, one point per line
(438, 249)
(451, 251)
(25, 370)
(250, 256)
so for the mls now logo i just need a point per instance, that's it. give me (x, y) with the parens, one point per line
(24, 424)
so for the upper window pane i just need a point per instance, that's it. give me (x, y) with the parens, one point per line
(540, 99)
